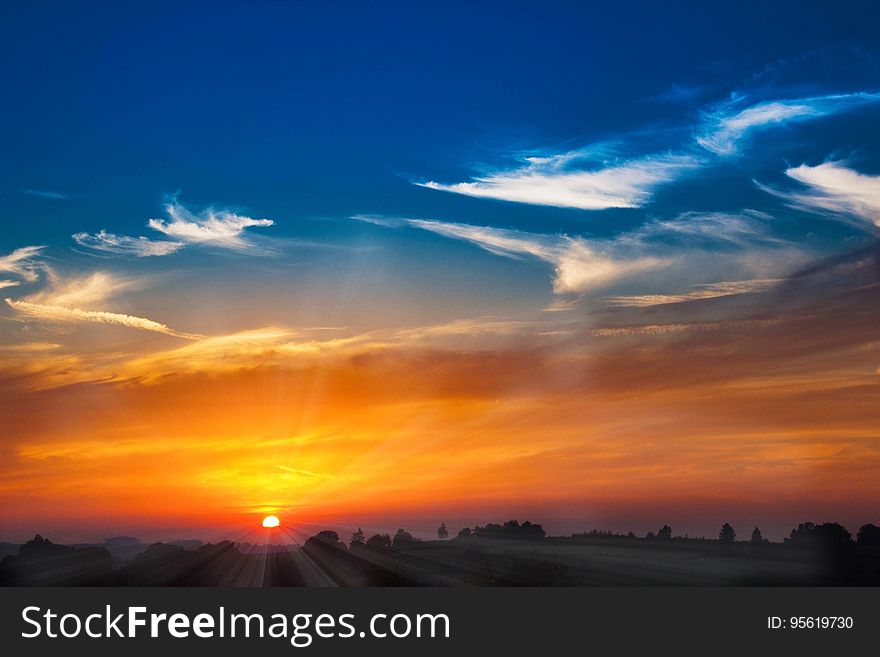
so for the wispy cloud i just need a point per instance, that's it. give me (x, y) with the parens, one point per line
(693, 327)
(8, 283)
(58, 196)
(84, 291)
(75, 299)
(124, 245)
(836, 189)
(703, 245)
(724, 128)
(62, 314)
(23, 262)
(593, 179)
(700, 292)
(561, 181)
(579, 266)
(218, 228)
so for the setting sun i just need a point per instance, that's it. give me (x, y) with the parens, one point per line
(271, 521)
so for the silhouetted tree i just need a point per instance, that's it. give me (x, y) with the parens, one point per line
(727, 534)
(402, 539)
(757, 537)
(358, 537)
(442, 532)
(325, 541)
(650, 536)
(868, 535)
(665, 532)
(630, 535)
(829, 535)
(464, 532)
(532, 530)
(379, 542)
(511, 529)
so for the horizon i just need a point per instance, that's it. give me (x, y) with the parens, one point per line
(401, 265)
(294, 534)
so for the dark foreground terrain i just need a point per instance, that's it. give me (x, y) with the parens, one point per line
(508, 555)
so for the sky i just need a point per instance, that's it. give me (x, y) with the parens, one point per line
(594, 265)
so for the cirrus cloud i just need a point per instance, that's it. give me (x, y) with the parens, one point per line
(723, 129)
(23, 263)
(836, 189)
(218, 228)
(553, 181)
(125, 245)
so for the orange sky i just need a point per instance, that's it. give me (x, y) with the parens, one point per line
(688, 413)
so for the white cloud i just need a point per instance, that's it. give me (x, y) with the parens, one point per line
(592, 179)
(836, 188)
(62, 314)
(690, 246)
(724, 128)
(84, 291)
(23, 263)
(579, 266)
(219, 227)
(554, 181)
(124, 245)
(76, 300)
(8, 283)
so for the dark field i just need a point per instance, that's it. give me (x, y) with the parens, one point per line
(463, 561)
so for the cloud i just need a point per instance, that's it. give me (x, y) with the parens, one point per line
(62, 314)
(702, 245)
(84, 291)
(724, 128)
(219, 228)
(124, 245)
(694, 327)
(579, 265)
(837, 189)
(556, 181)
(75, 300)
(58, 196)
(702, 291)
(593, 179)
(8, 283)
(23, 263)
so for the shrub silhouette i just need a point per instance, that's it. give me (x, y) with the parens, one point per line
(868, 535)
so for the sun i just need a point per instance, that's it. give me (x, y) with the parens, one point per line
(271, 521)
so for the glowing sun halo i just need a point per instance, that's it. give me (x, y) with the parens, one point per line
(271, 521)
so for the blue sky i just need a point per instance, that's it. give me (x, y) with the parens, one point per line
(301, 110)
(626, 149)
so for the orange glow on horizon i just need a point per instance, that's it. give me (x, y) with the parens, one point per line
(217, 432)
